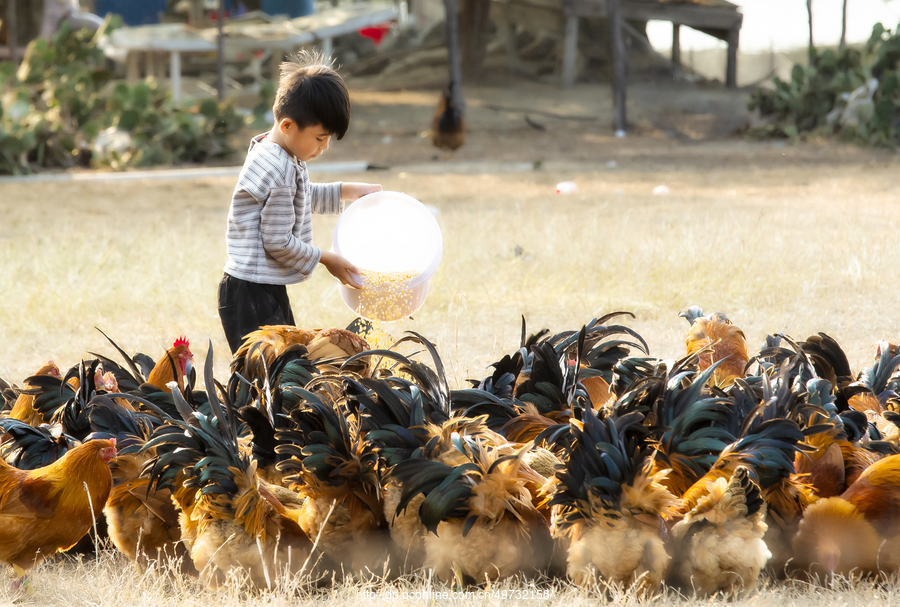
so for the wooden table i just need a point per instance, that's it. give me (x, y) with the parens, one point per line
(717, 18)
(151, 42)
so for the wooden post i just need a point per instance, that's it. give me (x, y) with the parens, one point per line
(570, 50)
(731, 66)
(12, 29)
(844, 26)
(811, 43)
(453, 53)
(619, 60)
(676, 44)
(220, 55)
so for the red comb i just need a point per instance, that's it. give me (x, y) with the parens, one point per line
(113, 441)
(182, 341)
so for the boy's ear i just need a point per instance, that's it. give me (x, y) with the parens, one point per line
(285, 124)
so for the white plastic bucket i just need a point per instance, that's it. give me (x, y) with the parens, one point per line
(389, 232)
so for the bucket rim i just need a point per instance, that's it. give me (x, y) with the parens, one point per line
(432, 266)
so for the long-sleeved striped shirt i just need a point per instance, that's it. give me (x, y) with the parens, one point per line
(269, 233)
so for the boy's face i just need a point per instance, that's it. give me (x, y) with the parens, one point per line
(306, 143)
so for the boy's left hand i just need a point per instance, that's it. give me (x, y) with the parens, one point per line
(352, 191)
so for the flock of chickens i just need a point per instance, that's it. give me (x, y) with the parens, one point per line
(580, 456)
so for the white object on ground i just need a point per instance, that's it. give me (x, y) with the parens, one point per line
(661, 190)
(620, 134)
(566, 187)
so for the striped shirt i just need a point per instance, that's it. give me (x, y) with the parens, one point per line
(269, 233)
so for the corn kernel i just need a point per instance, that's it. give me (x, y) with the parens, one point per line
(385, 296)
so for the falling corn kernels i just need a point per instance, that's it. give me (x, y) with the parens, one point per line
(385, 296)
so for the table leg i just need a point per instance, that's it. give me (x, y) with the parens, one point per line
(731, 67)
(133, 66)
(175, 75)
(676, 44)
(570, 51)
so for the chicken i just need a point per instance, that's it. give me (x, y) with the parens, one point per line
(336, 471)
(609, 505)
(480, 515)
(23, 409)
(27, 448)
(858, 532)
(173, 366)
(230, 519)
(142, 521)
(49, 509)
(267, 351)
(727, 342)
(719, 545)
(448, 127)
(870, 392)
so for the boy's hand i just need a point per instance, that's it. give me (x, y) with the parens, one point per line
(341, 268)
(352, 191)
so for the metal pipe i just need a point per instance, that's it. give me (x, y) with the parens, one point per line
(220, 59)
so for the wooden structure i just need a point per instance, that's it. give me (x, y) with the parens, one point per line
(717, 18)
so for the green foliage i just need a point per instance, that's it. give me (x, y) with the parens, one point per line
(816, 96)
(55, 109)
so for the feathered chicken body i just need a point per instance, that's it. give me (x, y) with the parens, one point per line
(336, 470)
(719, 543)
(480, 515)
(49, 509)
(610, 506)
(727, 343)
(230, 520)
(858, 531)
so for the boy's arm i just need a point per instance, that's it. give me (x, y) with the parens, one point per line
(325, 198)
(276, 229)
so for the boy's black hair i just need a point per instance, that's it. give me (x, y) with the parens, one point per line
(311, 92)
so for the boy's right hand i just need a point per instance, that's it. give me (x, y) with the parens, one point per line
(341, 268)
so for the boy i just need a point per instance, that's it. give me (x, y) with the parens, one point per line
(269, 233)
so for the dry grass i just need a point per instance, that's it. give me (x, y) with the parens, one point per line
(111, 580)
(795, 247)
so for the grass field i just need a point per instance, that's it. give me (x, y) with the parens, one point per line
(798, 244)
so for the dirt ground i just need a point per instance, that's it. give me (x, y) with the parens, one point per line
(518, 120)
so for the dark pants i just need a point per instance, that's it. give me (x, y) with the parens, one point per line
(246, 306)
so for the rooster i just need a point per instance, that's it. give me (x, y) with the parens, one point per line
(230, 519)
(857, 532)
(23, 409)
(49, 509)
(870, 393)
(727, 341)
(480, 513)
(719, 542)
(173, 366)
(336, 470)
(142, 522)
(610, 506)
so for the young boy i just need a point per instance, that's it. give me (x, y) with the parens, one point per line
(269, 233)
